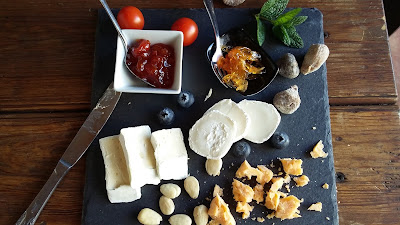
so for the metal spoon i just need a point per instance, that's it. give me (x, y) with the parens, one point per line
(122, 36)
(239, 37)
(218, 52)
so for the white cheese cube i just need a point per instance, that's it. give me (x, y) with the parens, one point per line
(139, 155)
(116, 172)
(170, 153)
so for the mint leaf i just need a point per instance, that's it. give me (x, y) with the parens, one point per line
(298, 20)
(272, 9)
(260, 31)
(287, 17)
(281, 33)
(295, 39)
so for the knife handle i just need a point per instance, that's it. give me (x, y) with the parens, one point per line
(31, 214)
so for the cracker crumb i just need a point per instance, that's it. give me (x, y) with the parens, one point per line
(315, 207)
(218, 191)
(301, 181)
(287, 179)
(245, 208)
(271, 216)
(260, 219)
(287, 187)
(325, 186)
(327, 218)
(314, 128)
(208, 95)
(129, 103)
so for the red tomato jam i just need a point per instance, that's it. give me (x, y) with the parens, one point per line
(154, 64)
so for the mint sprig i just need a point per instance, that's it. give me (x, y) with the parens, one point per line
(272, 9)
(283, 24)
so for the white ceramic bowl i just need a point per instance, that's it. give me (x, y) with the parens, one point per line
(124, 81)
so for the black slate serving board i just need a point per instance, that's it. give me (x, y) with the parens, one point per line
(141, 109)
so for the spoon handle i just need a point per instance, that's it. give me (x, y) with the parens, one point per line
(114, 21)
(209, 4)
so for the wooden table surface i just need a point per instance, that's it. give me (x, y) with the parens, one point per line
(46, 65)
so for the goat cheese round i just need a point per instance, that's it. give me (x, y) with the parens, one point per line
(264, 119)
(230, 109)
(212, 135)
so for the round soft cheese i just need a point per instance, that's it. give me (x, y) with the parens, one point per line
(212, 135)
(230, 109)
(264, 119)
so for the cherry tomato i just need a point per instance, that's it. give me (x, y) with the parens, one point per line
(130, 17)
(189, 29)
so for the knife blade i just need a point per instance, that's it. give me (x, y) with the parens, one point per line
(78, 146)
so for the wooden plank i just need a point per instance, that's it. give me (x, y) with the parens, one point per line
(366, 147)
(31, 146)
(47, 51)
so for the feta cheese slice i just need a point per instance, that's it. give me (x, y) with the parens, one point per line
(116, 172)
(170, 153)
(212, 135)
(264, 119)
(139, 155)
(230, 109)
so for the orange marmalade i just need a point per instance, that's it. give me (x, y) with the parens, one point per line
(238, 64)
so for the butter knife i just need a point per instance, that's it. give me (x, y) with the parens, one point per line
(82, 140)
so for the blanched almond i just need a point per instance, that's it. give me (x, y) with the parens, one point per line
(170, 190)
(200, 215)
(149, 217)
(180, 219)
(213, 166)
(167, 206)
(192, 186)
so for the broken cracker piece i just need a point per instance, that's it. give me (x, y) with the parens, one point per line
(315, 207)
(262, 173)
(288, 208)
(218, 191)
(277, 183)
(258, 193)
(242, 192)
(301, 181)
(245, 208)
(220, 213)
(272, 200)
(318, 151)
(292, 166)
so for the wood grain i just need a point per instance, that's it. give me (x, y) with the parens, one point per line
(47, 51)
(366, 150)
(366, 145)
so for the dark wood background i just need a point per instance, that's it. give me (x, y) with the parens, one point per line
(46, 65)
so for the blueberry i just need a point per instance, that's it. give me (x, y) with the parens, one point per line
(241, 149)
(280, 140)
(185, 99)
(166, 116)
